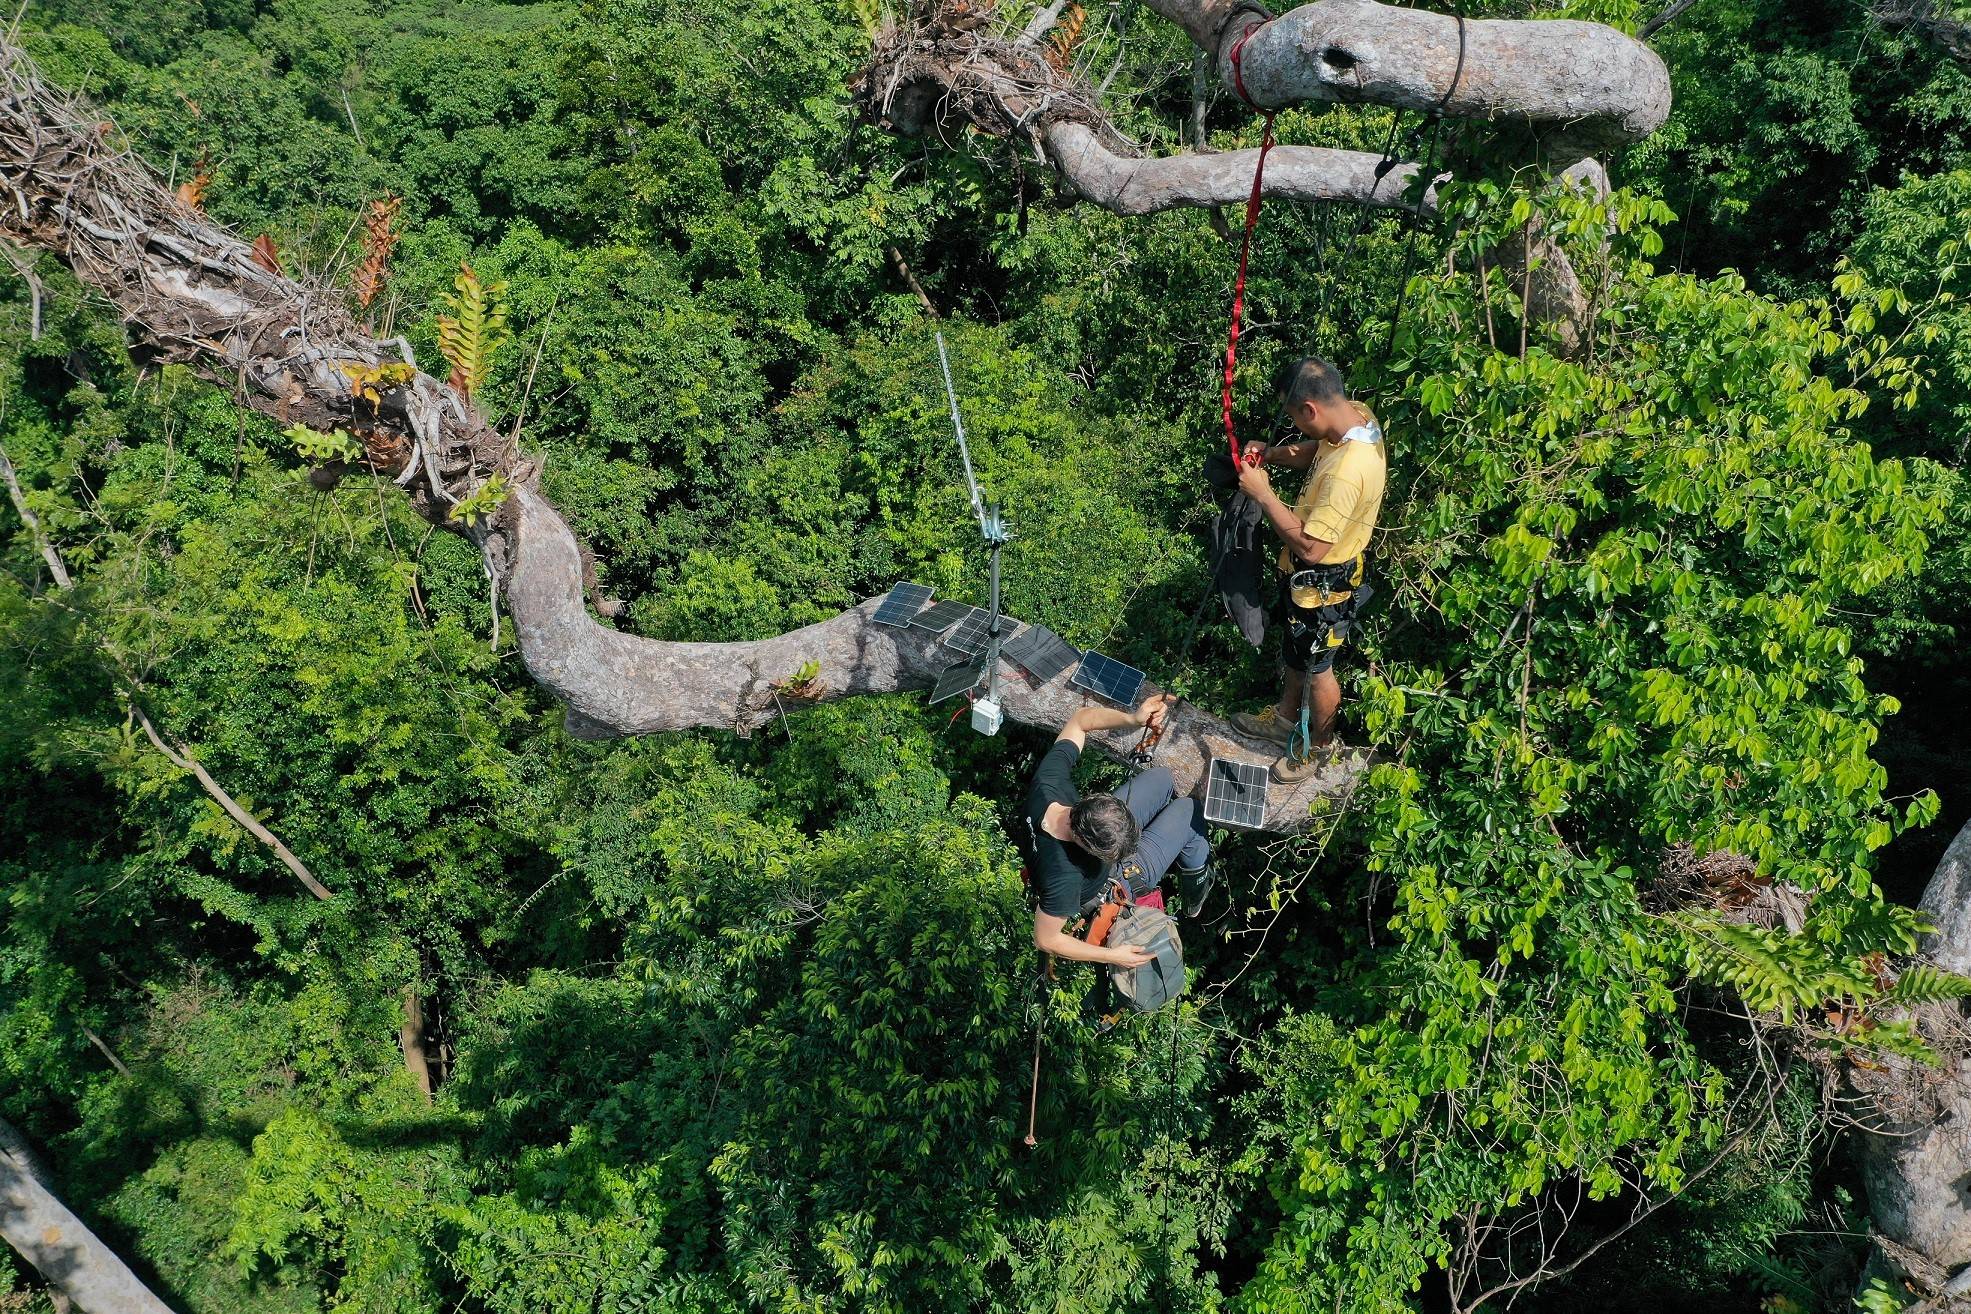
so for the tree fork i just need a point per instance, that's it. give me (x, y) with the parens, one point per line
(190, 292)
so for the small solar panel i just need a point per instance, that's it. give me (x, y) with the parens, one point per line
(956, 681)
(940, 615)
(901, 603)
(1041, 653)
(1235, 793)
(970, 636)
(1108, 678)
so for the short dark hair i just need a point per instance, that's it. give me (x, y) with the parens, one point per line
(1309, 379)
(1104, 826)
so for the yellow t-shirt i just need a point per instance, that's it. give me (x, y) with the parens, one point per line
(1341, 499)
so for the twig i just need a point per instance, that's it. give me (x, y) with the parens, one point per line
(1042, 21)
(107, 1052)
(181, 758)
(48, 553)
(526, 393)
(24, 266)
(1664, 19)
(902, 267)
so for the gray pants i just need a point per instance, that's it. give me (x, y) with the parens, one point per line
(1173, 828)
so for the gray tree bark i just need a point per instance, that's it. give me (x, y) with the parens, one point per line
(1916, 1150)
(55, 1242)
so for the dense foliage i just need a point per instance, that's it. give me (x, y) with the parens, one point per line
(727, 1024)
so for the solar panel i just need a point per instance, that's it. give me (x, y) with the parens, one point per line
(940, 615)
(970, 636)
(1041, 653)
(1108, 678)
(901, 603)
(1235, 793)
(956, 681)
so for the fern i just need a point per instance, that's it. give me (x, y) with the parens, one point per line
(379, 240)
(1921, 983)
(1770, 970)
(473, 331)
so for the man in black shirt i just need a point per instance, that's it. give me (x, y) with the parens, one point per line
(1075, 842)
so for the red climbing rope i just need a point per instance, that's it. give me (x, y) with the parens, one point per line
(1245, 242)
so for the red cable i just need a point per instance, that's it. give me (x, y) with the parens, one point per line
(1245, 242)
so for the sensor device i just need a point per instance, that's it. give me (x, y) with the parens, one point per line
(987, 715)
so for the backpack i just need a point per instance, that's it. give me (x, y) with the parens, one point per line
(1157, 982)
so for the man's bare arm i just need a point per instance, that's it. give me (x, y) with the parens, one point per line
(1292, 456)
(1048, 937)
(1090, 719)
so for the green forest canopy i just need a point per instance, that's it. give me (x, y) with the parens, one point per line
(726, 1023)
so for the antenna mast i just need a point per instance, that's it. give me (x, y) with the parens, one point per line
(986, 712)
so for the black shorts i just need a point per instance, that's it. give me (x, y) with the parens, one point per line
(1310, 637)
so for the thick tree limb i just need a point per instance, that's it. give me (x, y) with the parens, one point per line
(55, 1242)
(1916, 1154)
(189, 292)
(1582, 82)
(615, 684)
(1130, 185)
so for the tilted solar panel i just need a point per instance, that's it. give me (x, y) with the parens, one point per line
(956, 681)
(970, 636)
(1235, 793)
(1108, 678)
(1041, 653)
(941, 615)
(901, 603)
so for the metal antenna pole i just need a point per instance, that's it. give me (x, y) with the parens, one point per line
(964, 452)
(992, 527)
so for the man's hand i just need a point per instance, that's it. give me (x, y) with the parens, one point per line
(1152, 710)
(1128, 955)
(1255, 483)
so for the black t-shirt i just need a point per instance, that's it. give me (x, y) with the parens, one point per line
(1065, 876)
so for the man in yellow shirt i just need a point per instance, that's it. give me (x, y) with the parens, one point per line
(1326, 534)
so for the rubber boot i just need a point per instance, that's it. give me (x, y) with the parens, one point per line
(1194, 887)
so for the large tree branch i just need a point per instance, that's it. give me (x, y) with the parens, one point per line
(60, 1247)
(1586, 82)
(1134, 185)
(615, 683)
(190, 292)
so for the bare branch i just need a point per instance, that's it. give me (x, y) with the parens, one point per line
(181, 757)
(33, 523)
(61, 1248)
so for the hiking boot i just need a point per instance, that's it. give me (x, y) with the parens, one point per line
(1265, 724)
(1291, 771)
(1194, 887)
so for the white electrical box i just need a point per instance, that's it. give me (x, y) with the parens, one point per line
(987, 716)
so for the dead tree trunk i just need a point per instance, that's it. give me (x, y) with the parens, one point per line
(1916, 1150)
(192, 293)
(417, 1060)
(61, 1249)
